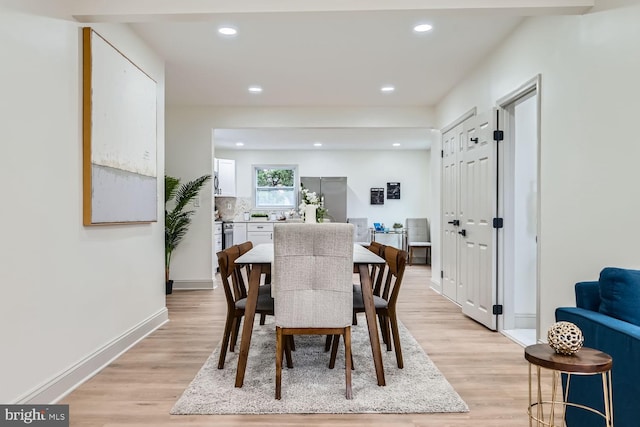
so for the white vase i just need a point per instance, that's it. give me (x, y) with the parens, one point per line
(310, 213)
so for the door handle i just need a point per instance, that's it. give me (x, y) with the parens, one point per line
(463, 233)
(455, 222)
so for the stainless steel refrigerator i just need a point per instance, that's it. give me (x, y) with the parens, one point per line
(334, 191)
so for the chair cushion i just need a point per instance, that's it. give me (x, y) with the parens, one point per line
(358, 301)
(620, 294)
(265, 303)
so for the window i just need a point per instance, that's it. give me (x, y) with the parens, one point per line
(275, 186)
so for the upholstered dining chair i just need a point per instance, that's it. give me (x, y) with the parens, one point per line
(312, 274)
(418, 237)
(361, 234)
(385, 303)
(236, 297)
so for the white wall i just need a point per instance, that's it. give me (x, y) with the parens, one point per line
(67, 290)
(363, 169)
(190, 152)
(589, 152)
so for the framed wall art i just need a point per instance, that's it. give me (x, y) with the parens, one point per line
(393, 190)
(119, 137)
(377, 196)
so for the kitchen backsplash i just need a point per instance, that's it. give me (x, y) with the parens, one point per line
(230, 208)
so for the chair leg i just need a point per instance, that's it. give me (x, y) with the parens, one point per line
(228, 325)
(327, 343)
(234, 334)
(263, 318)
(396, 339)
(287, 350)
(334, 351)
(384, 329)
(279, 351)
(347, 358)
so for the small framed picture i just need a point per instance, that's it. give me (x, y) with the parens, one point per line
(393, 190)
(377, 196)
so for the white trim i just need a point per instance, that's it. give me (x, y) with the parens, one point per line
(472, 112)
(436, 285)
(192, 285)
(532, 86)
(65, 382)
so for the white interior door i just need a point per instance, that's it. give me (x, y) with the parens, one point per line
(477, 209)
(451, 147)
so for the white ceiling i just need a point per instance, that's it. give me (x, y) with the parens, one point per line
(318, 53)
(322, 58)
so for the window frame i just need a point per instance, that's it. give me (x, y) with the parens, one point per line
(295, 188)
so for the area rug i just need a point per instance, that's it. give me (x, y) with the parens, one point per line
(311, 387)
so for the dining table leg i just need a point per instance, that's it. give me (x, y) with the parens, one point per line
(247, 329)
(372, 324)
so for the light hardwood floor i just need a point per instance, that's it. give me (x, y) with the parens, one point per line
(486, 369)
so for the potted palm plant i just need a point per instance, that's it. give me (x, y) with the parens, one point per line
(177, 219)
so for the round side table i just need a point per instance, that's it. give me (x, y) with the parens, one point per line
(586, 361)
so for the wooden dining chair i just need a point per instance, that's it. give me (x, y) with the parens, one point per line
(243, 271)
(312, 270)
(385, 303)
(236, 297)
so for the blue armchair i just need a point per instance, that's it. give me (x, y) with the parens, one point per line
(608, 313)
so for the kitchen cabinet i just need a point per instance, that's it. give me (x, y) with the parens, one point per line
(225, 172)
(239, 232)
(217, 244)
(261, 232)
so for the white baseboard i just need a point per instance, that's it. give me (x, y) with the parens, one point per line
(191, 285)
(64, 383)
(436, 285)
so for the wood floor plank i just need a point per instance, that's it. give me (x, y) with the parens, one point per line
(139, 388)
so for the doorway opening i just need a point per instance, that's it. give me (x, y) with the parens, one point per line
(519, 164)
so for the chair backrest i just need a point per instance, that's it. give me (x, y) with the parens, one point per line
(418, 230)
(361, 232)
(231, 275)
(312, 275)
(377, 270)
(226, 263)
(396, 261)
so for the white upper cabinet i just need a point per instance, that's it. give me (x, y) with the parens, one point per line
(225, 170)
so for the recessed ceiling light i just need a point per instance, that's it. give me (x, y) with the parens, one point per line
(239, 144)
(317, 144)
(255, 89)
(387, 89)
(396, 144)
(422, 28)
(227, 31)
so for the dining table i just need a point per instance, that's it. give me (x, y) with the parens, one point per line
(260, 258)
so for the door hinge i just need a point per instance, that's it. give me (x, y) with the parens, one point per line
(498, 222)
(498, 135)
(497, 309)
(442, 153)
(441, 274)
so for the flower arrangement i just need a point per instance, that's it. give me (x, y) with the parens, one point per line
(311, 198)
